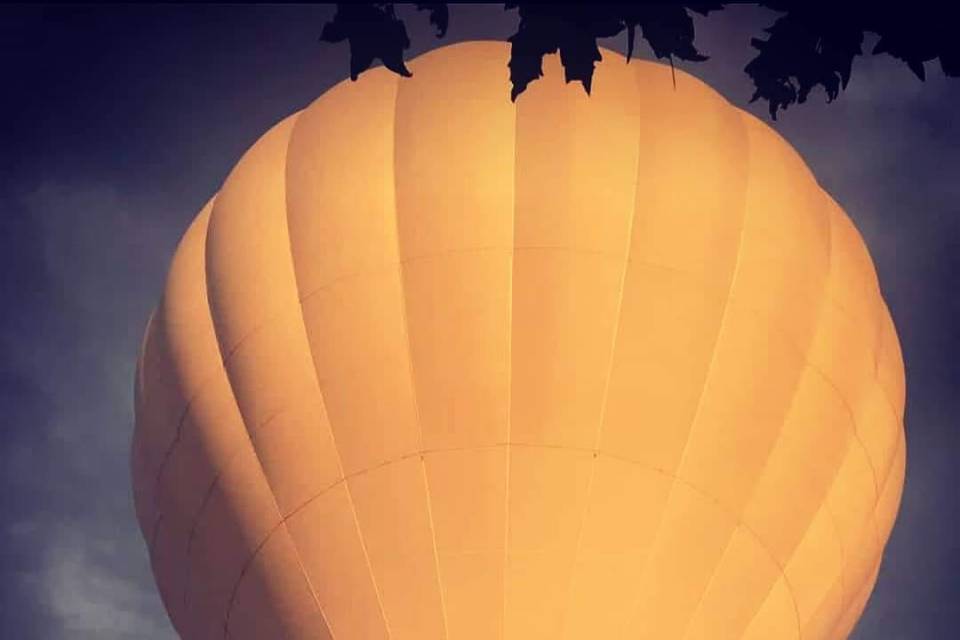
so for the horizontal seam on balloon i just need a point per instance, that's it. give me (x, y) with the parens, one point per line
(813, 366)
(824, 505)
(735, 520)
(384, 463)
(855, 431)
(816, 327)
(208, 494)
(389, 266)
(746, 503)
(901, 441)
(817, 324)
(693, 277)
(688, 436)
(302, 324)
(256, 329)
(266, 323)
(201, 386)
(859, 441)
(273, 499)
(247, 428)
(840, 542)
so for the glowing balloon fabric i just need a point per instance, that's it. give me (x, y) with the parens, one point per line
(436, 365)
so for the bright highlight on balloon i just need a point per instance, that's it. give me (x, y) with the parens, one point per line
(435, 365)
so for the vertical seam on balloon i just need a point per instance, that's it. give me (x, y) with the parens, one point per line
(254, 552)
(898, 428)
(878, 345)
(305, 297)
(507, 452)
(773, 447)
(236, 347)
(716, 569)
(839, 578)
(239, 344)
(851, 436)
(848, 615)
(706, 378)
(824, 503)
(168, 454)
(836, 530)
(606, 391)
(824, 506)
(282, 523)
(207, 496)
(853, 422)
(405, 323)
(333, 435)
(293, 543)
(884, 345)
(701, 493)
(853, 417)
(866, 586)
(892, 341)
(899, 450)
(859, 442)
(888, 400)
(901, 441)
(172, 446)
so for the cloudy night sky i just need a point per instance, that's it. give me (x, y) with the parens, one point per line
(120, 122)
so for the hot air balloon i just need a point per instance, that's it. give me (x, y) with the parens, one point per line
(433, 364)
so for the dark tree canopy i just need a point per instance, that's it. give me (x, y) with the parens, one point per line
(808, 45)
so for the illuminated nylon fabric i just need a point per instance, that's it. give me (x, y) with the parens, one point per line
(644, 292)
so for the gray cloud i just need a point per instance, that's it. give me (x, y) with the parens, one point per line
(103, 254)
(87, 590)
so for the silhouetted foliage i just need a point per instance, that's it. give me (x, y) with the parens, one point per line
(815, 44)
(374, 31)
(573, 29)
(809, 45)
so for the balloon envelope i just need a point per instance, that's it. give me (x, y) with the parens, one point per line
(433, 364)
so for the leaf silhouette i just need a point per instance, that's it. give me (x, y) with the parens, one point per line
(809, 45)
(913, 38)
(373, 31)
(573, 29)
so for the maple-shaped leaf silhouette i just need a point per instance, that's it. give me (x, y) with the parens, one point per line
(570, 29)
(668, 28)
(807, 47)
(573, 29)
(373, 31)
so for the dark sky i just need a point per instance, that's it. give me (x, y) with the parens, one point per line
(118, 123)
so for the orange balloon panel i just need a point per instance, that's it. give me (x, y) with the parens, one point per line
(433, 364)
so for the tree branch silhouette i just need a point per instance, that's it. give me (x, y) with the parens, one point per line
(806, 47)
